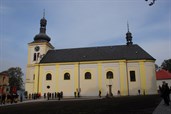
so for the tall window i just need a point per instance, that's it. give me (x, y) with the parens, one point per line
(66, 76)
(34, 57)
(48, 76)
(109, 75)
(132, 76)
(87, 75)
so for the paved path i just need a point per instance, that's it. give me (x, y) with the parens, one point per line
(162, 108)
(51, 100)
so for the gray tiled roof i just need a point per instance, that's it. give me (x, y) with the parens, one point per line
(118, 52)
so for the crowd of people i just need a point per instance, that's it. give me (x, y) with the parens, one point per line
(47, 96)
(8, 98)
(33, 96)
(55, 95)
(165, 92)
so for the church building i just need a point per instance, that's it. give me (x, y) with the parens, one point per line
(117, 69)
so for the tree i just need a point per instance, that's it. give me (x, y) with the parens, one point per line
(15, 77)
(156, 67)
(166, 65)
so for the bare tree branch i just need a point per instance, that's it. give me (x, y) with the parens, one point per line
(151, 3)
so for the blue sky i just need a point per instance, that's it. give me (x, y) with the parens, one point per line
(83, 23)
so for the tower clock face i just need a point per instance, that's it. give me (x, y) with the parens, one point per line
(37, 48)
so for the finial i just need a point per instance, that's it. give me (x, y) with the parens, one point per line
(43, 13)
(128, 26)
(43, 23)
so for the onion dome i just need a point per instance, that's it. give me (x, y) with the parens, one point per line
(42, 36)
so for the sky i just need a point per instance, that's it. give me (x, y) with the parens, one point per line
(83, 23)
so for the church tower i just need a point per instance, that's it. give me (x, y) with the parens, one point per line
(36, 50)
(128, 36)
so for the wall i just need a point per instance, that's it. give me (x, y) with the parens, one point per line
(150, 78)
(144, 73)
(89, 87)
(29, 79)
(134, 86)
(67, 86)
(115, 82)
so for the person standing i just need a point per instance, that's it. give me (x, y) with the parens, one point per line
(48, 95)
(78, 94)
(21, 97)
(139, 92)
(59, 96)
(100, 93)
(3, 98)
(75, 94)
(165, 93)
(168, 92)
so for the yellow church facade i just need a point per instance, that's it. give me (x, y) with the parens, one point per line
(121, 69)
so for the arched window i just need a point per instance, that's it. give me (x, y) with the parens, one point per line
(109, 75)
(87, 75)
(48, 76)
(66, 76)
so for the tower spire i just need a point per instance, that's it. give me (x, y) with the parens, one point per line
(43, 23)
(128, 26)
(128, 36)
(43, 13)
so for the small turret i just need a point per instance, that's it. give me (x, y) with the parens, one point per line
(129, 36)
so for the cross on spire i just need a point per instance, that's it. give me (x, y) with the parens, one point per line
(43, 13)
(128, 26)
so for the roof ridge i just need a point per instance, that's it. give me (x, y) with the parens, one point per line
(93, 47)
(98, 53)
